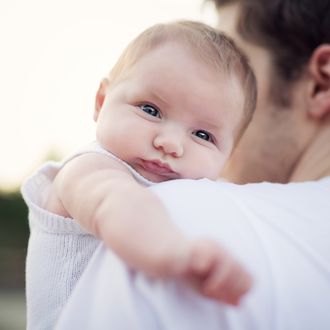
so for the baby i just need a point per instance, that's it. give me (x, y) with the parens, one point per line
(173, 107)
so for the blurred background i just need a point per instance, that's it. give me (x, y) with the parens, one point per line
(53, 55)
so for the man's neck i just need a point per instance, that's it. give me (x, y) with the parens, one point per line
(315, 162)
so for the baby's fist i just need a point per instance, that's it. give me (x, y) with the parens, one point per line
(215, 273)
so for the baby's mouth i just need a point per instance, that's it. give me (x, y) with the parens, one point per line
(157, 167)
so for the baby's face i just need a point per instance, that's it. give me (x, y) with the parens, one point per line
(171, 116)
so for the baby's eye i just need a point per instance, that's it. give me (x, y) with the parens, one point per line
(150, 110)
(204, 135)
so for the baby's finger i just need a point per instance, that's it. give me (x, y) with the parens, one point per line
(215, 284)
(204, 256)
(228, 283)
(238, 286)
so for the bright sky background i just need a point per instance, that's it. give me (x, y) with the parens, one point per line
(52, 57)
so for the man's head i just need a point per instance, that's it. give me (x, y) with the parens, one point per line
(290, 30)
(288, 43)
(176, 102)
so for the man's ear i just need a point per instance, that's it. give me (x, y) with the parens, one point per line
(100, 96)
(319, 68)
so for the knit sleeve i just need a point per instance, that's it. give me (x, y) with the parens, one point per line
(58, 252)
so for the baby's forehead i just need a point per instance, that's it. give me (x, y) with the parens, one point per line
(208, 51)
(172, 51)
(211, 100)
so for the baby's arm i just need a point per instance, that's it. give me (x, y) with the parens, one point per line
(107, 201)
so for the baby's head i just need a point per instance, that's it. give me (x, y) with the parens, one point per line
(176, 102)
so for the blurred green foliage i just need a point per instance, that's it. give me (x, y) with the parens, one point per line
(14, 235)
(13, 219)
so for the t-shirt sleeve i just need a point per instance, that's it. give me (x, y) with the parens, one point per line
(133, 300)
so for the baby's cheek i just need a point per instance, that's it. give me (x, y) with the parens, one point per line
(206, 169)
(213, 168)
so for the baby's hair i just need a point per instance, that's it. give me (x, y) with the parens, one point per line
(211, 46)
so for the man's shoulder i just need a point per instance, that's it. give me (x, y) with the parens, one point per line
(204, 208)
(208, 192)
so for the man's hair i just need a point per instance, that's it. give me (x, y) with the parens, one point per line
(211, 46)
(290, 29)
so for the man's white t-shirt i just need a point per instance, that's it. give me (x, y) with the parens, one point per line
(281, 233)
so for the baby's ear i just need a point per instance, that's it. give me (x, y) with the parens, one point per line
(100, 96)
(319, 67)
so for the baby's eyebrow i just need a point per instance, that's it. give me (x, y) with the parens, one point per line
(159, 98)
(209, 124)
(147, 92)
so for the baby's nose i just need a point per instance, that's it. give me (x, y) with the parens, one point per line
(169, 143)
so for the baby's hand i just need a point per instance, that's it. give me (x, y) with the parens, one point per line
(215, 273)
